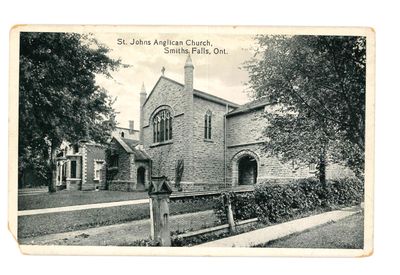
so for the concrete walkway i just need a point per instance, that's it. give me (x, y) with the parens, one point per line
(32, 191)
(270, 233)
(123, 234)
(80, 207)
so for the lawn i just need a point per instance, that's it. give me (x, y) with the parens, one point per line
(347, 233)
(69, 198)
(43, 224)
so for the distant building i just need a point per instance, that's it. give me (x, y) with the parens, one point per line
(81, 166)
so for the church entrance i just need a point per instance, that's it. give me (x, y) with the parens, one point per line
(141, 176)
(247, 170)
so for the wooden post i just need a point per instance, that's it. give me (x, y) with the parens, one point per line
(229, 214)
(159, 192)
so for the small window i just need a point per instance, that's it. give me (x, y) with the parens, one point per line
(98, 164)
(114, 161)
(207, 125)
(122, 134)
(73, 169)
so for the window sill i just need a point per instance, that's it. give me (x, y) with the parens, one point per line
(161, 143)
(208, 140)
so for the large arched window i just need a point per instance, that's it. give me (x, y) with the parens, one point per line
(207, 125)
(162, 126)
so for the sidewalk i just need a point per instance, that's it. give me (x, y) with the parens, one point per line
(32, 191)
(175, 195)
(80, 207)
(270, 233)
(123, 234)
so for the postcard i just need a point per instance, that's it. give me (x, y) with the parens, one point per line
(192, 140)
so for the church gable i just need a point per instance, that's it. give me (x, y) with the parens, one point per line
(166, 92)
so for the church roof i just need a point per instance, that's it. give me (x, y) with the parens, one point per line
(252, 105)
(130, 146)
(197, 93)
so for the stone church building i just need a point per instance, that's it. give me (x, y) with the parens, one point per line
(220, 142)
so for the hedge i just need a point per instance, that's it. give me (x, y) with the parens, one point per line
(275, 203)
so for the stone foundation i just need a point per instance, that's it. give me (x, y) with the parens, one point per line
(119, 185)
(200, 187)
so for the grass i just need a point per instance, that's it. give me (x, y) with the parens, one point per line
(69, 198)
(347, 233)
(43, 224)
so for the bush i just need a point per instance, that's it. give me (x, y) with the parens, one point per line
(275, 203)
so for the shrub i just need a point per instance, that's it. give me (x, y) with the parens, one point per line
(274, 203)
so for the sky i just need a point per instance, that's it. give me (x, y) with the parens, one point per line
(217, 73)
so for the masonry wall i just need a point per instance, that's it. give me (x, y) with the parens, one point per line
(91, 153)
(245, 128)
(209, 154)
(244, 137)
(120, 177)
(167, 94)
(245, 134)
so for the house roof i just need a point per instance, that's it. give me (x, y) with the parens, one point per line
(125, 128)
(130, 146)
(252, 105)
(197, 93)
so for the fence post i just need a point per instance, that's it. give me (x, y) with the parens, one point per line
(159, 192)
(229, 213)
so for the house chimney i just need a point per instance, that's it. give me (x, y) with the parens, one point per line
(131, 126)
(189, 74)
(143, 96)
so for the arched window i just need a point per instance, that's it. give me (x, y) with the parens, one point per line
(122, 134)
(207, 125)
(162, 126)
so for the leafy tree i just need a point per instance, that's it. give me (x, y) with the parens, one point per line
(316, 88)
(58, 96)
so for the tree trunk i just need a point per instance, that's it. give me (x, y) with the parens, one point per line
(53, 166)
(322, 169)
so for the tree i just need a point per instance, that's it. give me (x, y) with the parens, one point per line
(316, 89)
(58, 96)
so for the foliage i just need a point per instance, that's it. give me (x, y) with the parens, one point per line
(274, 203)
(179, 168)
(316, 89)
(243, 206)
(58, 96)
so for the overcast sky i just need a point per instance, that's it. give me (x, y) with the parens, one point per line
(217, 74)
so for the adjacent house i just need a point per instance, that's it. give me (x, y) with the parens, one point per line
(82, 166)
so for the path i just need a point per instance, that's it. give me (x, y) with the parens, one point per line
(175, 195)
(274, 232)
(80, 207)
(124, 234)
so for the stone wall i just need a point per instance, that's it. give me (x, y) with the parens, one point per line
(125, 175)
(244, 138)
(245, 128)
(209, 153)
(170, 95)
(123, 171)
(121, 185)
